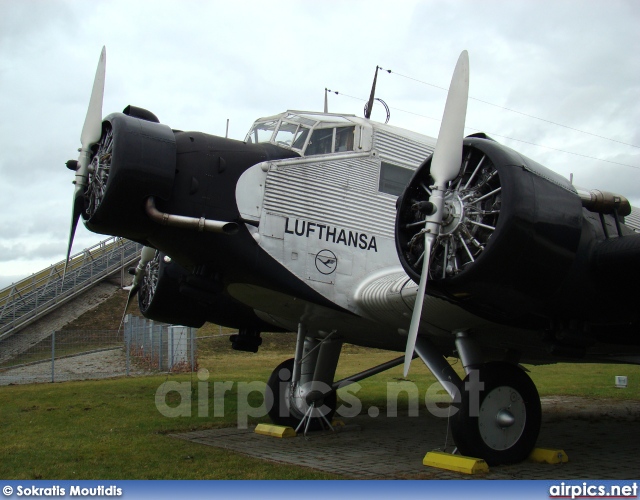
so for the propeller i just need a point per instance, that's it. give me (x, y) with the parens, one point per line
(146, 256)
(90, 135)
(445, 166)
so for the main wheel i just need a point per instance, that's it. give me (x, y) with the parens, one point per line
(283, 411)
(504, 425)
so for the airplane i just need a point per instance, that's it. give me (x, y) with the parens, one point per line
(346, 230)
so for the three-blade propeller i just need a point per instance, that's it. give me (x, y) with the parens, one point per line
(445, 166)
(90, 135)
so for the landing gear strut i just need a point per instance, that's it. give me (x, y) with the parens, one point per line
(285, 412)
(302, 387)
(497, 407)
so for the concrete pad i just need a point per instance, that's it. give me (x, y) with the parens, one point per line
(600, 439)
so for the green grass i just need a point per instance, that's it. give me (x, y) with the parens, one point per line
(111, 429)
(68, 343)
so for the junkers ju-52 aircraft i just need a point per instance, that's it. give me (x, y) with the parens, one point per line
(346, 230)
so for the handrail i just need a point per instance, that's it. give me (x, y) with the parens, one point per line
(29, 299)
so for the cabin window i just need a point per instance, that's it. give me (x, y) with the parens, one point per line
(393, 179)
(345, 138)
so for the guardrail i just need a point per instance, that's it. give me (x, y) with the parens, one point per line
(31, 298)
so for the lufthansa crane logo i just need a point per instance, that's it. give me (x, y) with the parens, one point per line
(326, 261)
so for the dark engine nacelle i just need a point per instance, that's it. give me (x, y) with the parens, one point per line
(159, 297)
(171, 294)
(175, 191)
(510, 236)
(189, 174)
(135, 159)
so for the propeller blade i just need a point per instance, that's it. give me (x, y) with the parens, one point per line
(78, 205)
(447, 156)
(92, 128)
(132, 293)
(417, 308)
(445, 166)
(91, 132)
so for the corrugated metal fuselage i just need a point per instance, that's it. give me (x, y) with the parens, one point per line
(325, 219)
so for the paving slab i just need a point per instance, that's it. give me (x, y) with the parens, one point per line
(600, 437)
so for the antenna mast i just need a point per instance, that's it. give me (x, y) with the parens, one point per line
(367, 112)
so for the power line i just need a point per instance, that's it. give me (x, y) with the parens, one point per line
(497, 135)
(515, 111)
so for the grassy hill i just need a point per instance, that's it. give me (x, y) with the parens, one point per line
(106, 316)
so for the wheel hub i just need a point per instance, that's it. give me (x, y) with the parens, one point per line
(502, 418)
(505, 418)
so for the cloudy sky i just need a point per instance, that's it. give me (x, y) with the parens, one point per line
(573, 65)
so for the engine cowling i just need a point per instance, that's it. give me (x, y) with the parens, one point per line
(159, 297)
(510, 234)
(187, 174)
(135, 159)
(171, 294)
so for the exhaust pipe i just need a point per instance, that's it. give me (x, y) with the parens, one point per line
(198, 224)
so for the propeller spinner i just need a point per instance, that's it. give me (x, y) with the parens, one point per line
(90, 135)
(445, 166)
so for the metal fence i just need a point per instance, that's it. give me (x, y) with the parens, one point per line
(141, 347)
(159, 346)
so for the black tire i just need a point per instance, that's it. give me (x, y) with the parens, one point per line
(506, 387)
(281, 412)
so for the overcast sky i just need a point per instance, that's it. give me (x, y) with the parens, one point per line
(197, 63)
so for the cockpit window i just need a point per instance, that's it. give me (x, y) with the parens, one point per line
(286, 134)
(307, 136)
(301, 138)
(344, 138)
(262, 132)
(320, 142)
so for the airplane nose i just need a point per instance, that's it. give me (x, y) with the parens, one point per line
(134, 159)
(144, 176)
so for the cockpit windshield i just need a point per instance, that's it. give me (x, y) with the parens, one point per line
(305, 135)
(301, 138)
(286, 133)
(261, 132)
